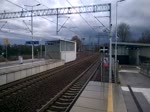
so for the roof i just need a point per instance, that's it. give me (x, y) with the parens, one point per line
(131, 44)
(60, 40)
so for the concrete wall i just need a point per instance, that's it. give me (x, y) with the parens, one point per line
(10, 74)
(68, 55)
(120, 50)
(145, 52)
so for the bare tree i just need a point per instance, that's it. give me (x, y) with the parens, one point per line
(78, 42)
(145, 37)
(123, 32)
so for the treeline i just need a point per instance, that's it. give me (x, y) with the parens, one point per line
(13, 51)
(124, 35)
(145, 37)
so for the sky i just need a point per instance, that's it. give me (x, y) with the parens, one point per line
(135, 13)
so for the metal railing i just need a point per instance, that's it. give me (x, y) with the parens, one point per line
(145, 68)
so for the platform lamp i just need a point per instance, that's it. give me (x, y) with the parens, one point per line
(32, 27)
(116, 37)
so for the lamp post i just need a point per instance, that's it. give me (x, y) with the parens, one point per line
(116, 39)
(32, 27)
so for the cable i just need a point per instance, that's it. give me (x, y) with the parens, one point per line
(3, 25)
(82, 17)
(96, 18)
(70, 19)
(40, 16)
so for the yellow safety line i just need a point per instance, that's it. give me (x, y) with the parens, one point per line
(110, 99)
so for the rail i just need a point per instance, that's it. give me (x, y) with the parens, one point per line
(70, 93)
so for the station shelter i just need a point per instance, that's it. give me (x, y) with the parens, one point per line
(60, 49)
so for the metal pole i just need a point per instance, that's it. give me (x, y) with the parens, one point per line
(57, 23)
(6, 52)
(32, 34)
(115, 70)
(41, 49)
(110, 49)
(45, 50)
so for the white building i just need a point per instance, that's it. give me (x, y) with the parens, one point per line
(60, 49)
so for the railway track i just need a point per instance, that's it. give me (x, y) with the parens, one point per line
(29, 95)
(28, 82)
(65, 99)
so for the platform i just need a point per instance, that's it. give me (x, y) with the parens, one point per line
(13, 63)
(15, 71)
(100, 97)
(139, 100)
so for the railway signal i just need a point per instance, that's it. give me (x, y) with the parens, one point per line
(103, 49)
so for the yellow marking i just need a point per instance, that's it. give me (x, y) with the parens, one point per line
(110, 99)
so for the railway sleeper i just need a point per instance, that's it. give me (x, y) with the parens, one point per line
(66, 96)
(62, 103)
(56, 108)
(70, 94)
(76, 87)
(65, 100)
(51, 111)
(72, 89)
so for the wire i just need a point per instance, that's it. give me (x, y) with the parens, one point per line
(40, 16)
(82, 17)
(3, 25)
(96, 18)
(61, 26)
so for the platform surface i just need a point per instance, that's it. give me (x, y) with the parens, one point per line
(140, 86)
(15, 63)
(95, 98)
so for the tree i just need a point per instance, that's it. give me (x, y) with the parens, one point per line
(78, 42)
(123, 32)
(145, 37)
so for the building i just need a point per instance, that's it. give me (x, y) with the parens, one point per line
(60, 49)
(132, 53)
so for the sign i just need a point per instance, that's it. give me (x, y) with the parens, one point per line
(32, 42)
(6, 41)
(104, 49)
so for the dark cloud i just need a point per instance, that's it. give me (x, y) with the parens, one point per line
(133, 12)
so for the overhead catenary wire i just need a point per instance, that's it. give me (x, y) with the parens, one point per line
(88, 13)
(40, 16)
(3, 25)
(96, 18)
(69, 18)
(62, 25)
(82, 17)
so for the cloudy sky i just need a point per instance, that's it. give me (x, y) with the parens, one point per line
(135, 13)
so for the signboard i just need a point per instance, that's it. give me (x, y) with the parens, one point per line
(32, 42)
(6, 41)
(104, 49)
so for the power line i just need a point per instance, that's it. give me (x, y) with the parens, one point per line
(87, 13)
(40, 16)
(96, 18)
(83, 18)
(62, 26)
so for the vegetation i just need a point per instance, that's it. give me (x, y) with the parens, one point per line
(145, 37)
(13, 51)
(78, 42)
(124, 32)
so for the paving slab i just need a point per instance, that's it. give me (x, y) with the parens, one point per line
(94, 98)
